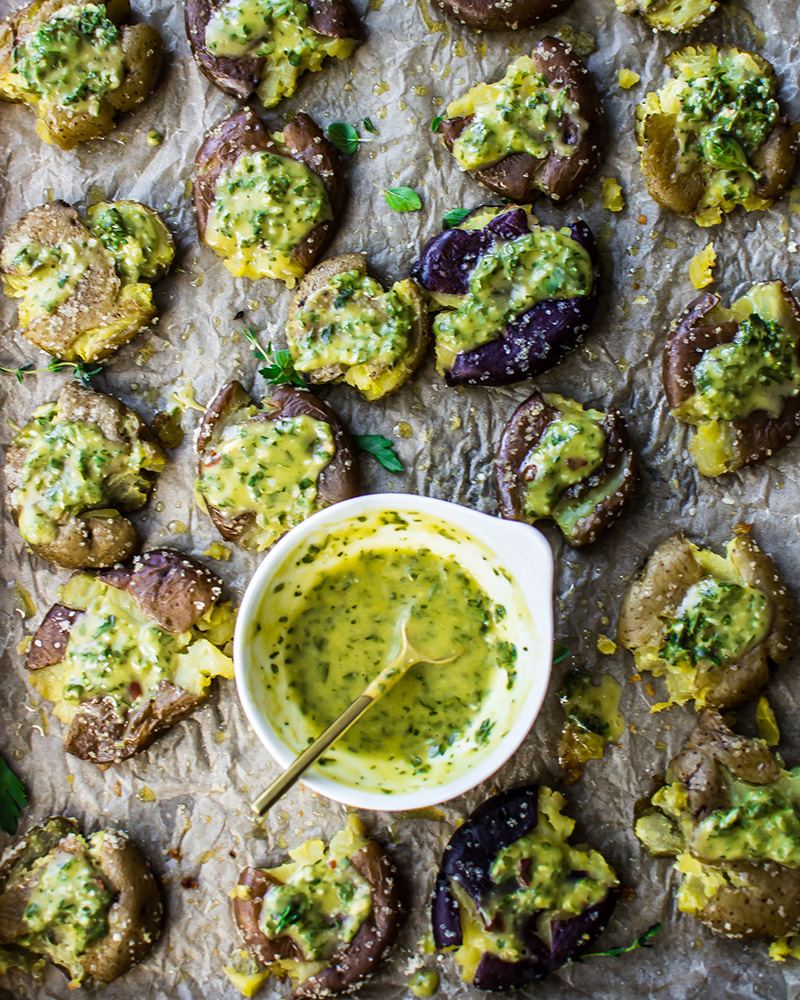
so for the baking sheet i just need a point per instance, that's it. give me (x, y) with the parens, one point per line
(184, 801)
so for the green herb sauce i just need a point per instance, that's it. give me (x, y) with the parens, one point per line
(70, 468)
(319, 907)
(758, 370)
(716, 623)
(519, 114)
(571, 448)
(73, 59)
(347, 629)
(267, 467)
(67, 909)
(352, 321)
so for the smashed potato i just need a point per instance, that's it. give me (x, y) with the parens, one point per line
(72, 473)
(728, 813)
(734, 373)
(77, 65)
(84, 288)
(89, 905)
(714, 138)
(709, 624)
(343, 327)
(129, 651)
(327, 941)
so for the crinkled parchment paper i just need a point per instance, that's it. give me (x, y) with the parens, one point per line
(185, 801)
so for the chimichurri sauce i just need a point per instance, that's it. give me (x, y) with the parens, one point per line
(348, 629)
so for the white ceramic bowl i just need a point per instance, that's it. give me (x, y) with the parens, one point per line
(511, 561)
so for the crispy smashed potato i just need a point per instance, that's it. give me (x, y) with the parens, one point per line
(727, 812)
(129, 651)
(670, 15)
(327, 948)
(343, 327)
(734, 373)
(84, 292)
(89, 905)
(709, 624)
(77, 65)
(714, 138)
(73, 471)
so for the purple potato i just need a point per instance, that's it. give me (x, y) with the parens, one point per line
(533, 342)
(447, 260)
(467, 860)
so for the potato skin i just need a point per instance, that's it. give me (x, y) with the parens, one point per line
(521, 176)
(134, 918)
(244, 131)
(495, 15)
(86, 542)
(756, 436)
(348, 967)
(143, 51)
(337, 481)
(239, 76)
(524, 430)
(175, 591)
(318, 277)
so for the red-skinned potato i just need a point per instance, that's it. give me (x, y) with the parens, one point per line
(242, 75)
(253, 528)
(173, 592)
(495, 15)
(520, 176)
(723, 445)
(244, 133)
(133, 915)
(67, 125)
(351, 962)
(583, 509)
(79, 540)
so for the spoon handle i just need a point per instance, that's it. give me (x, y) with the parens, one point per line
(337, 728)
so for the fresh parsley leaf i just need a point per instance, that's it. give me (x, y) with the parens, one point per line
(454, 217)
(644, 940)
(12, 798)
(381, 448)
(402, 199)
(344, 137)
(437, 121)
(369, 127)
(559, 652)
(279, 368)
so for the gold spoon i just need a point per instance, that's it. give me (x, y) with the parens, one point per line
(376, 689)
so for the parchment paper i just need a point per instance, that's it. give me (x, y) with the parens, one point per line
(185, 800)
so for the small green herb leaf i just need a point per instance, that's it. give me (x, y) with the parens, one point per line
(279, 368)
(454, 217)
(559, 652)
(81, 371)
(12, 798)
(644, 940)
(381, 448)
(402, 199)
(437, 121)
(344, 137)
(369, 127)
